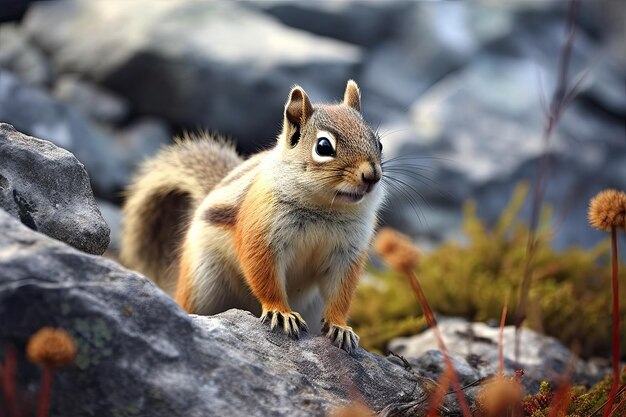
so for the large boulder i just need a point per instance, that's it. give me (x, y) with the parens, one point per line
(139, 354)
(215, 65)
(48, 190)
(33, 111)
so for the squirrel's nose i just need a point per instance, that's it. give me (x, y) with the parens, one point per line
(371, 176)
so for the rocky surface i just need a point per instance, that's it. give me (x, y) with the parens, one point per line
(475, 346)
(48, 190)
(140, 354)
(458, 85)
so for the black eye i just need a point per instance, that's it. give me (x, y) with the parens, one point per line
(380, 146)
(324, 147)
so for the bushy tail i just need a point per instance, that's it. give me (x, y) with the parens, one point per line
(162, 198)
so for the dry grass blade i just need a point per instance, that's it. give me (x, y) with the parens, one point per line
(561, 94)
(557, 106)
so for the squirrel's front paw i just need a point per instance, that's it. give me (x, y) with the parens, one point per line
(341, 336)
(291, 322)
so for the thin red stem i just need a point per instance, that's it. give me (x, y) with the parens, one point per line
(501, 341)
(44, 392)
(432, 322)
(616, 351)
(440, 392)
(561, 401)
(8, 383)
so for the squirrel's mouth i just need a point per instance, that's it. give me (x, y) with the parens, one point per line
(351, 197)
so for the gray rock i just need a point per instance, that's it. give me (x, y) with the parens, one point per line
(140, 140)
(358, 22)
(542, 358)
(598, 69)
(140, 354)
(32, 111)
(19, 56)
(478, 132)
(435, 39)
(215, 65)
(95, 102)
(48, 190)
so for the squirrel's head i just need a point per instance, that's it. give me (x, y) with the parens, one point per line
(329, 150)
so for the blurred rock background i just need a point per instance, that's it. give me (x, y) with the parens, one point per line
(456, 89)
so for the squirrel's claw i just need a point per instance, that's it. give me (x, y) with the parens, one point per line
(341, 336)
(291, 322)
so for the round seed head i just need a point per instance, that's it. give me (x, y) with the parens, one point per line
(51, 347)
(499, 396)
(607, 210)
(396, 249)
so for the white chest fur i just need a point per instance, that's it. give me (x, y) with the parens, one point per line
(312, 246)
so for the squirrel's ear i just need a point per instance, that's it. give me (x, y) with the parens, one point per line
(298, 108)
(352, 96)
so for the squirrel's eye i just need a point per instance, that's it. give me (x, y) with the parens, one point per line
(324, 147)
(380, 146)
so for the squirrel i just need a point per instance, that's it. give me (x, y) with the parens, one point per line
(283, 234)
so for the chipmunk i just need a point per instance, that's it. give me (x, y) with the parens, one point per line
(283, 234)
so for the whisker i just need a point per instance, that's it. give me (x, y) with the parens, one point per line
(412, 167)
(416, 157)
(391, 132)
(406, 184)
(333, 200)
(412, 202)
(423, 179)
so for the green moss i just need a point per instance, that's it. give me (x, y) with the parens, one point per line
(570, 296)
(583, 402)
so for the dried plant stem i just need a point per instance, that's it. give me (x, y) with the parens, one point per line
(616, 350)
(453, 378)
(559, 101)
(621, 403)
(44, 391)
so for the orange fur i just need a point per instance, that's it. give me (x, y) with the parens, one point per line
(338, 305)
(184, 290)
(257, 261)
